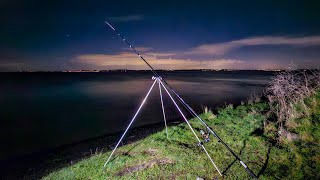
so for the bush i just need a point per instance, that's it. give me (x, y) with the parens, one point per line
(287, 95)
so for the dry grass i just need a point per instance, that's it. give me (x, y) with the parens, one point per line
(287, 93)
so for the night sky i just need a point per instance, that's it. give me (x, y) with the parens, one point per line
(66, 35)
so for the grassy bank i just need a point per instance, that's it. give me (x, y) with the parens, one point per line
(243, 128)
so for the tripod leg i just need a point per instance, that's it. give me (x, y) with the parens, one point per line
(164, 114)
(215, 135)
(190, 128)
(134, 117)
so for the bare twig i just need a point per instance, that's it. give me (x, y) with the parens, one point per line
(287, 93)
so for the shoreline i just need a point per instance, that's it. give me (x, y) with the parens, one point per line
(38, 164)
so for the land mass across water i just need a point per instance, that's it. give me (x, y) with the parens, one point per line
(161, 70)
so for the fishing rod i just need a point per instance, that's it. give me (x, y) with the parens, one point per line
(185, 105)
(160, 81)
(153, 70)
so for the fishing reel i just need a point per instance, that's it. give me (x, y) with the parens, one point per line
(205, 136)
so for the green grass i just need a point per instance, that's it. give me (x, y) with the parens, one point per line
(241, 128)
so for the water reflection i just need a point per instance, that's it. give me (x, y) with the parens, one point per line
(41, 111)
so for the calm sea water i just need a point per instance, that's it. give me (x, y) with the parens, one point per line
(45, 110)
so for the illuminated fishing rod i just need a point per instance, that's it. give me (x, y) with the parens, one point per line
(185, 104)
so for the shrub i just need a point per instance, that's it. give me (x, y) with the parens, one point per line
(287, 93)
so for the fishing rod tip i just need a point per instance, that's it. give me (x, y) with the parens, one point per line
(110, 25)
